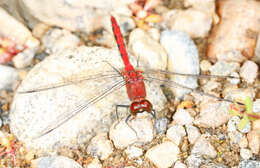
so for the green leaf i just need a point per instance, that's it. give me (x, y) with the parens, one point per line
(243, 122)
(249, 105)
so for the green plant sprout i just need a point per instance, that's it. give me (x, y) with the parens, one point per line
(247, 114)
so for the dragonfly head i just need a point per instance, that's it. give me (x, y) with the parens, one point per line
(140, 106)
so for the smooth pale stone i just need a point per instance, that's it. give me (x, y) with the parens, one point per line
(11, 28)
(249, 71)
(82, 15)
(212, 114)
(9, 76)
(55, 162)
(94, 164)
(183, 57)
(147, 50)
(100, 146)
(175, 133)
(203, 147)
(31, 113)
(138, 131)
(56, 40)
(163, 155)
(195, 23)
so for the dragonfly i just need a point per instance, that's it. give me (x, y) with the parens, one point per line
(133, 79)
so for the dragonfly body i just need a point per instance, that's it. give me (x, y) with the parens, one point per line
(133, 78)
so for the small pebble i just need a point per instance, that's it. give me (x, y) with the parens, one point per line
(133, 152)
(56, 40)
(144, 46)
(179, 164)
(9, 77)
(256, 106)
(223, 68)
(161, 125)
(204, 148)
(24, 58)
(193, 133)
(249, 71)
(212, 114)
(175, 133)
(254, 141)
(182, 117)
(245, 153)
(249, 164)
(234, 81)
(100, 146)
(194, 160)
(163, 155)
(95, 163)
(1, 122)
(205, 65)
(141, 132)
(55, 162)
(233, 125)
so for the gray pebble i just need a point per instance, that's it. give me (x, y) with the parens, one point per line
(249, 164)
(9, 76)
(161, 125)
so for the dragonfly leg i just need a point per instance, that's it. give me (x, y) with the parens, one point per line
(124, 106)
(153, 114)
(117, 116)
(126, 121)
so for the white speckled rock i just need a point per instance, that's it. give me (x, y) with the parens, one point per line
(84, 15)
(194, 160)
(176, 133)
(249, 71)
(223, 68)
(56, 40)
(163, 155)
(141, 132)
(31, 113)
(55, 162)
(144, 47)
(9, 76)
(183, 57)
(212, 114)
(100, 146)
(203, 147)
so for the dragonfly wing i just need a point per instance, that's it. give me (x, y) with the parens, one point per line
(70, 81)
(177, 85)
(82, 106)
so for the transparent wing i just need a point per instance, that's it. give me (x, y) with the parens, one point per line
(171, 83)
(163, 72)
(70, 81)
(61, 119)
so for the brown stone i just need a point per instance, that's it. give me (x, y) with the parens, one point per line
(237, 30)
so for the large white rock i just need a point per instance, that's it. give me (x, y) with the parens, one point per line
(183, 57)
(31, 113)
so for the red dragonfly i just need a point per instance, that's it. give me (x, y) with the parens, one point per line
(133, 80)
